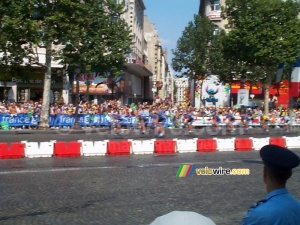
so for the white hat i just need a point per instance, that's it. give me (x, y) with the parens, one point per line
(182, 217)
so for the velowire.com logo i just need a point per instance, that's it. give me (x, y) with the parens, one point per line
(187, 170)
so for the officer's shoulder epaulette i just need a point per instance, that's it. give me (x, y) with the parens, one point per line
(258, 203)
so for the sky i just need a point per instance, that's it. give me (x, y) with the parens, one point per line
(170, 18)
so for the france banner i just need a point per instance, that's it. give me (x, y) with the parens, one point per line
(63, 120)
(19, 120)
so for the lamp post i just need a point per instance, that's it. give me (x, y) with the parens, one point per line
(243, 80)
(76, 123)
(56, 96)
(135, 98)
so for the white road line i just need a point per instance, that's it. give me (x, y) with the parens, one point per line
(39, 170)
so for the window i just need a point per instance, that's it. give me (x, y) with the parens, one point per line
(216, 30)
(215, 5)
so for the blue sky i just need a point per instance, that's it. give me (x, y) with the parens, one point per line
(170, 18)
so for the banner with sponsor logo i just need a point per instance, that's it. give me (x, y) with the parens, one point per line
(213, 92)
(62, 120)
(96, 84)
(243, 97)
(18, 120)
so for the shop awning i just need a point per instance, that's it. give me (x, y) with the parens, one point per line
(255, 89)
(138, 70)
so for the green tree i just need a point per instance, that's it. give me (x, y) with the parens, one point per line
(199, 52)
(79, 33)
(218, 61)
(191, 53)
(103, 41)
(263, 34)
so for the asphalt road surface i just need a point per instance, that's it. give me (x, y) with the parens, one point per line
(104, 134)
(131, 190)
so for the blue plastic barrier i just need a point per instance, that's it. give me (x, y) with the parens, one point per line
(62, 120)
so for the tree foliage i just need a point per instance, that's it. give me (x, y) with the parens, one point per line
(77, 33)
(103, 39)
(263, 34)
(191, 53)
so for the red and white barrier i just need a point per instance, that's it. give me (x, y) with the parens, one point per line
(292, 142)
(127, 147)
(164, 146)
(225, 144)
(280, 141)
(258, 143)
(207, 145)
(184, 146)
(93, 148)
(67, 149)
(38, 150)
(119, 148)
(243, 144)
(142, 146)
(13, 151)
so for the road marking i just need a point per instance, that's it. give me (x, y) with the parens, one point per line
(39, 170)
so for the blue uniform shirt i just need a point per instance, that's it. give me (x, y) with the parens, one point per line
(144, 113)
(188, 116)
(278, 208)
(217, 118)
(161, 113)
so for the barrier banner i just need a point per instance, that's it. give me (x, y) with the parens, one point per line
(63, 120)
(18, 120)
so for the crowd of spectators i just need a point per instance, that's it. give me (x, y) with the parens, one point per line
(176, 112)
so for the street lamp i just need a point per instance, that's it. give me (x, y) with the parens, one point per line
(135, 98)
(243, 80)
(76, 123)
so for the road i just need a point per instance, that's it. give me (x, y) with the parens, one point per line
(104, 134)
(131, 190)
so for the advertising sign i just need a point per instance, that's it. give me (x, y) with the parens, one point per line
(98, 84)
(211, 91)
(243, 97)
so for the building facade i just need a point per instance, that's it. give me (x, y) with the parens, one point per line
(152, 41)
(212, 10)
(182, 85)
(137, 70)
(27, 83)
(158, 61)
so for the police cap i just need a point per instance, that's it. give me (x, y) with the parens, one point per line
(279, 159)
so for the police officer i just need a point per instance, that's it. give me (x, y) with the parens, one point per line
(279, 206)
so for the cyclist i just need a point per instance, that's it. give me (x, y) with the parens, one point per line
(287, 123)
(230, 121)
(265, 123)
(114, 120)
(159, 121)
(188, 120)
(216, 122)
(245, 119)
(143, 116)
